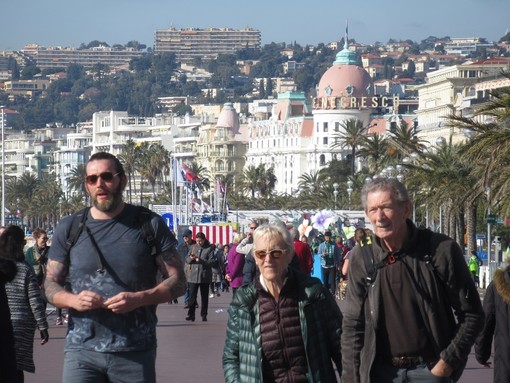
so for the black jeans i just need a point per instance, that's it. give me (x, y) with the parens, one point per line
(328, 278)
(204, 298)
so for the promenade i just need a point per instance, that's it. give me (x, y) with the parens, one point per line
(187, 352)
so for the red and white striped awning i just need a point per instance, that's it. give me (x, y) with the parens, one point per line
(215, 233)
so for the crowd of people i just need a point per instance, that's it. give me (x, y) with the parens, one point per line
(411, 309)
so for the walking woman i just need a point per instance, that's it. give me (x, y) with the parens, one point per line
(25, 301)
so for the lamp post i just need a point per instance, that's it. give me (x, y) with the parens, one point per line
(349, 192)
(335, 191)
(3, 170)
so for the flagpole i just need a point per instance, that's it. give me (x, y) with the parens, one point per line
(174, 195)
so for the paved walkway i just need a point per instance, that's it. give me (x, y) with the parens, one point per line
(187, 352)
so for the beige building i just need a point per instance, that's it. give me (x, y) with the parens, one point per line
(221, 148)
(447, 92)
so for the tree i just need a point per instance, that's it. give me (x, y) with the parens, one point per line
(351, 136)
(375, 149)
(129, 159)
(76, 180)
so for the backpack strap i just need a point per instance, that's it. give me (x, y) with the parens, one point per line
(144, 218)
(372, 267)
(76, 228)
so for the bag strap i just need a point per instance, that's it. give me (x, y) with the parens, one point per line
(76, 228)
(144, 218)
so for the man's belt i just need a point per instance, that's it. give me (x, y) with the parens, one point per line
(406, 361)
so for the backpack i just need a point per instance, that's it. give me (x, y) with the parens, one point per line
(143, 219)
(372, 267)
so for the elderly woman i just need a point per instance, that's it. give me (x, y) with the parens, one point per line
(285, 326)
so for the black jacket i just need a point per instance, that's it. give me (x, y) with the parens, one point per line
(496, 305)
(453, 314)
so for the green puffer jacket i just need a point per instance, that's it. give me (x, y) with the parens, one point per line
(321, 326)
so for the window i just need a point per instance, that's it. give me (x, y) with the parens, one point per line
(322, 160)
(337, 126)
(325, 127)
(325, 140)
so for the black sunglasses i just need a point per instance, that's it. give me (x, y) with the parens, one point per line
(106, 177)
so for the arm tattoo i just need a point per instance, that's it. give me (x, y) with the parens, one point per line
(171, 267)
(55, 277)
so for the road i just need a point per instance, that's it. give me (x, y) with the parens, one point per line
(187, 352)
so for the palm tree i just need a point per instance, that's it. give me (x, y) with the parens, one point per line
(249, 180)
(375, 149)
(351, 136)
(76, 180)
(310, 182)
(267, 180)
(404, 141)
(128, 158)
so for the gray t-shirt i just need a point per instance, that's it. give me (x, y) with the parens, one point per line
(128, 266)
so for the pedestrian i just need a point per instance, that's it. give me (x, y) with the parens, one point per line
(303, 253)
(496, 305)
(235, 263)
(412, 311)
(474, 267)
(200, 259)
(249, 268)
(8, 371)
(183, 250)
(329, 262)
(28, 310)
(113, 272)
(218, 270)
(285, 326)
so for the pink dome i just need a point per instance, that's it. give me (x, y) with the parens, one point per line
(228, 118)
(345, 80)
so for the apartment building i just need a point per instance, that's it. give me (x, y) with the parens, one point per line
(27, 88)
(63, 57)
(205, 44)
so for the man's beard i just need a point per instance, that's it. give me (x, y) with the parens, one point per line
(110, 204)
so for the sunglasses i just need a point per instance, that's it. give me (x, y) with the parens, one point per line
(253, 227)
(106, 177)
(275, 253)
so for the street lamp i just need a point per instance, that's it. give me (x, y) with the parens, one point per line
(349, 192)
(335, 191)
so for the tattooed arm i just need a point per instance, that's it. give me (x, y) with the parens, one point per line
(173, 285)
(56, 294)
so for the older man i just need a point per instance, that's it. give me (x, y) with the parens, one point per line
(412, 311)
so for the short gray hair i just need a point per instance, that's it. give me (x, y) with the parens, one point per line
(392, 185)
(275, 229)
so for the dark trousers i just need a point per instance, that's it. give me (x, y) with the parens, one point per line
(328, 278)
(204, 298)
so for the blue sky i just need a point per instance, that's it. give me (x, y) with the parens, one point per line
(71, 22)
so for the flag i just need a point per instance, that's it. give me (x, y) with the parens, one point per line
(178, 173)
(189, 175)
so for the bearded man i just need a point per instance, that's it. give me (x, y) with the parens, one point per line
(114, 283)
